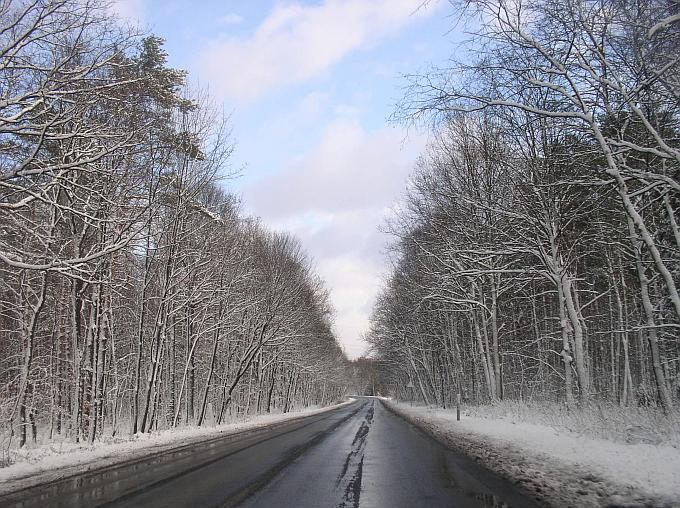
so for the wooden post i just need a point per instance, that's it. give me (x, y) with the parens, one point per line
(458, 407)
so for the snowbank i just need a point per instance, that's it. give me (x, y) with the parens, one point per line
(559, 467)
(52, 461)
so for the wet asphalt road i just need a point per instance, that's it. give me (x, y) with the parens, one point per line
(358, 455)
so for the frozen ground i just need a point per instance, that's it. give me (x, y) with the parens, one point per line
(561, 467)
(49, 462)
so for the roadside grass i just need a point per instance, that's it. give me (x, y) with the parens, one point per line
(597, 419)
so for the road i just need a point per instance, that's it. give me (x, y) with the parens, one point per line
(357, 455)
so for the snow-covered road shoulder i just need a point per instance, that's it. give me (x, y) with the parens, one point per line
(52, 462)
(559, 467)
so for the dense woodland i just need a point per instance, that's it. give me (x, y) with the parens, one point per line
(133, 293)
(536, 255)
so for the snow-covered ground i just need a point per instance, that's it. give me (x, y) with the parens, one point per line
(559, 467)
(51, 461)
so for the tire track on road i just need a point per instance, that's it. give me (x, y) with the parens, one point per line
(349, 479)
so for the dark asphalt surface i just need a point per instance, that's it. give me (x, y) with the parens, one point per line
(358, 455)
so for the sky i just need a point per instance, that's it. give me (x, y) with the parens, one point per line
(310, 86)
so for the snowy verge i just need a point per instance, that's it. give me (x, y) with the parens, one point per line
(51, 462)
(558, 467)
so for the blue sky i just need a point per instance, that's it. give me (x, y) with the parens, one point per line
(310, 85)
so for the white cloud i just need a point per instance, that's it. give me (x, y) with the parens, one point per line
(301, 115)
(353, 282)
(230, 19)
(296, 42)
(131, 11)
(350, 169)
(346, 247)
(334, 199)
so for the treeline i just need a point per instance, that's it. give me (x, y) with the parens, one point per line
(133, 294)
(537, 250)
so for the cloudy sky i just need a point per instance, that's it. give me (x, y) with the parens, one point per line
(310, 85)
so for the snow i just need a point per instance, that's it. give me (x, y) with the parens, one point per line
(52, 461)
(556, 465)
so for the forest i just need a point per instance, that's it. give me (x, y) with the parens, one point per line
(134, 293)
(536, 254)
